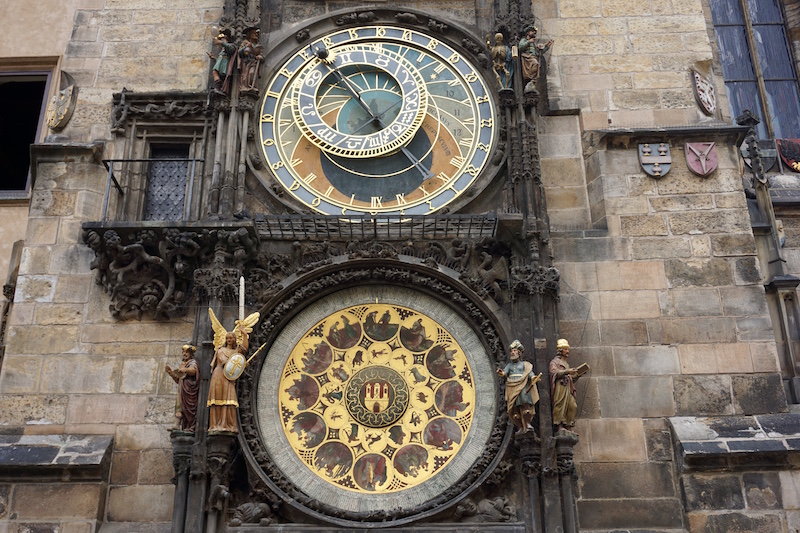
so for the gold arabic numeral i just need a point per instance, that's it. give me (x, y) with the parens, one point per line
(267, 118)
(381, 31)
(376, 201)
(353, 33)
(432, 44)
(296, 162)
(285, 72)
(486, 122)
(304, 55)
(316, 201)
(401, 199)
(294, 186)
(453, 59)
(327, 42)
(457, 161)
(482, 99)
(483, 146)
(471, 77)
(329, 191)
(311, 177)
(277, 165)
(407, 36)
(472, 170)
(268, 142)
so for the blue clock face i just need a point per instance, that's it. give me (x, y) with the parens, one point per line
(385, 120)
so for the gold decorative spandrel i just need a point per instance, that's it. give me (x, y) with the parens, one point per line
(376, 398)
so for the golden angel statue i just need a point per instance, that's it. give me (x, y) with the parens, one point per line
(230, 349)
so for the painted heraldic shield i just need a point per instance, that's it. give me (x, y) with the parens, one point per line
(790, 153)
(655, 158)
(701, 158)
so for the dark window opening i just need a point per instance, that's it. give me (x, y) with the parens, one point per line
(166, 183)
(20, 115)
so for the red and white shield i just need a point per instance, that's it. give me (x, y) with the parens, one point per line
(701, 158)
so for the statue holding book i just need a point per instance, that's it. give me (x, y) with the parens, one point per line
(562, 386)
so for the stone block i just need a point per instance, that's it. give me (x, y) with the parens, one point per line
(106, 408)
(20, 373)
(762, 490)
(731, 200)
(18, 410)
(744, 301)
(135, 332)
(747, 271)
(790, 488)
(731, 221)
(701, 246)
(35, 288)
(733, 357)
(616, 440)
(42, 339)
(579, 8)
(758, 393)
(648, 44)
(590, 249)
(734, 523)
(658, 440)
(139, 375)
(35, 260)
(731, 245)
(73, 289)
(141, 437)
(764, 356)
(566, 197)
(634, 514)
(693, 302)
(663, 248)
(642, 275)
(623, 333)
(625, 480)
(161, 409)
(52, 203)
(55, 314)
(565, 172)
(140, 503)
(636, 99)
(75, 259)
(643, 225)
(584, 45)
(80, 374)
(646, 360)
(661, 80)
(756, 328)
(558, 146)
(155, 467)
(703, 395)
(125, 468)
(712, 272)
(59, 502)
(636, 397)
(697, 330)
(708, 492)
(620, 305)
(626, 206)
(692, 202)
(618, 63)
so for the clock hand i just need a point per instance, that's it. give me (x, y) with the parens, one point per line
(377, 117)
(322, 54)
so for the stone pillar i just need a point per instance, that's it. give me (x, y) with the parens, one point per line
(530, 455)
(220, 448)
(182, 442)
(565, 468)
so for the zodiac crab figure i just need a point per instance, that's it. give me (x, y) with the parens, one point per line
(227, 365)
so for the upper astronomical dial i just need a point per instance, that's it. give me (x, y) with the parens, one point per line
(360, 101)
(391, 121)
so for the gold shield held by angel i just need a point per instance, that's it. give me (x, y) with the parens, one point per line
(227, 365)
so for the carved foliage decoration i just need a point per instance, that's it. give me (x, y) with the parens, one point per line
(268, 329)
(155, 271)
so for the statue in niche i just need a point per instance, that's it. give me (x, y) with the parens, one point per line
(502, 64)
(222, 402)
(521, 392)
(223, 62)
(562, 387)
(249, 61)
(188, 387)
(530, 52)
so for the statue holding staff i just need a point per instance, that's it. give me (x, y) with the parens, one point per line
(521, 393)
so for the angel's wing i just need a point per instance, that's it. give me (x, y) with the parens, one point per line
(219, 331)
(245, 327)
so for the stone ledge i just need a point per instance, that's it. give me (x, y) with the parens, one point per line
(487, 527)
(54, 457)
(737, 442)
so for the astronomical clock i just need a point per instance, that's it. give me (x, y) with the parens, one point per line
(377, 119)
(375, 400)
